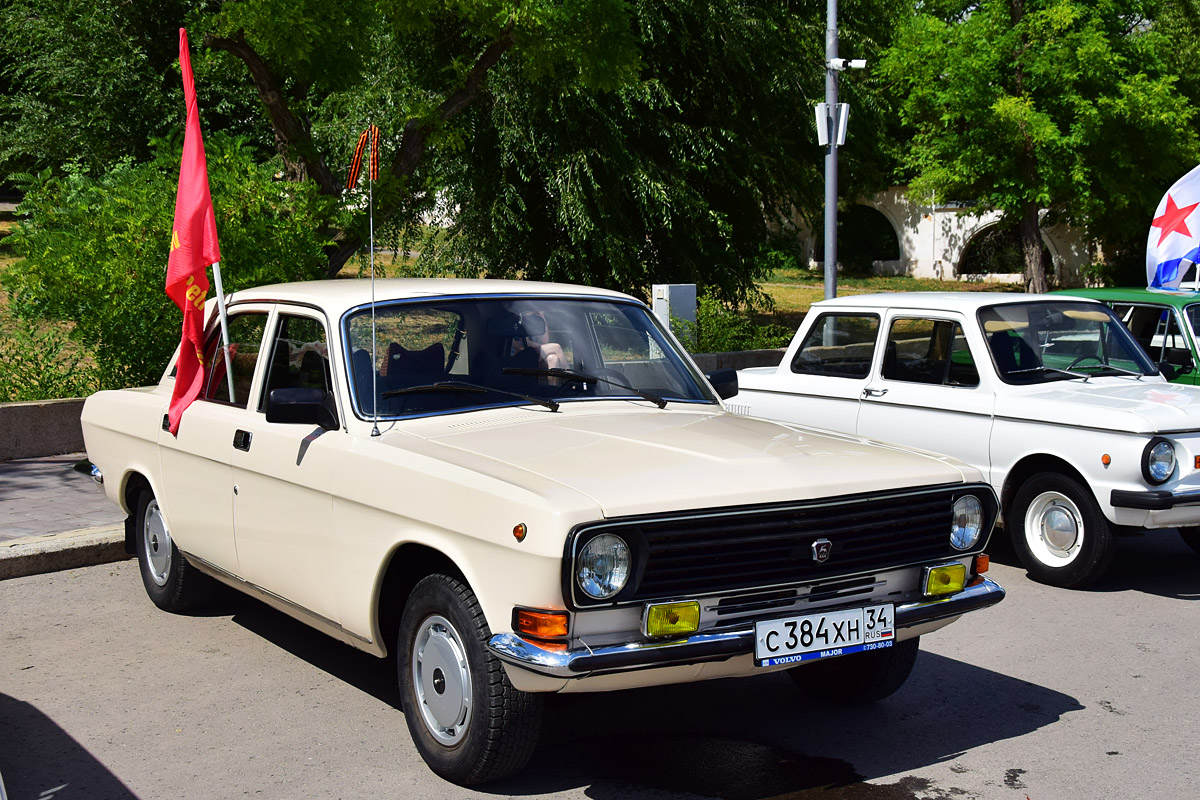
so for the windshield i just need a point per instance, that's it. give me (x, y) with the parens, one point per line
(1055, 340)
(458, 354)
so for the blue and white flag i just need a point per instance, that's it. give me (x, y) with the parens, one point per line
(1174, 242)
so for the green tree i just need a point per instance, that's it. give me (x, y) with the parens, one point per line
(677, 177)
(419, 64)
(1023, 105)
(95, 249)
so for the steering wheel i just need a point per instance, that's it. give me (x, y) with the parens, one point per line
(1097, 359)
(612, 375)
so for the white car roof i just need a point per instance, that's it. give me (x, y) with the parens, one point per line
(340, 294)
(963, 302)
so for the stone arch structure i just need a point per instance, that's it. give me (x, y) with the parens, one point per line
(933, 236)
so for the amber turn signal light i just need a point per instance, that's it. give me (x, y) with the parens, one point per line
(982, 562)
(540, 624)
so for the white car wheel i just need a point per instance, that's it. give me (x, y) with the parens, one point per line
(1058, 530)
(467, 720)
(171, 582)
(1054, 530)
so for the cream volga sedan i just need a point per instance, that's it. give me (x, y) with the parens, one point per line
(523, 488)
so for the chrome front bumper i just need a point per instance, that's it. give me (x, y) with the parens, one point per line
(579, 662)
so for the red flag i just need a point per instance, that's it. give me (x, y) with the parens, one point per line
(193, 248)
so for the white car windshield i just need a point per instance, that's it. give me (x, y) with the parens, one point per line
(1055, 340)
(458, 354)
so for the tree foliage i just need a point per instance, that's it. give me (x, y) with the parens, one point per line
(95, 249)
(1022, 105)
(678, 177)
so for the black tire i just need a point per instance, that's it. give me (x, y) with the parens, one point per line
(1191, 537)
(171, 582)
(468, 722)
(858, 679)
(1058, 531)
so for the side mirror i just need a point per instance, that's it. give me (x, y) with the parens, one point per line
(302, 406)
(724, 381)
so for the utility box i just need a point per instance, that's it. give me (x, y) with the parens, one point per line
(676, 300)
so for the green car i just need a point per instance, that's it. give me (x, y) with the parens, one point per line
(1164, 322)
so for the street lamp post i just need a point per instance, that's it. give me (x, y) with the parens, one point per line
(831, 132)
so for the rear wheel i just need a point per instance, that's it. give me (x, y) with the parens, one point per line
(467, 720)
(860, 678)
(1058, 531)
(1191, 537)
(171, 582)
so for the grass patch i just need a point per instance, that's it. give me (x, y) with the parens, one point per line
(795, 290)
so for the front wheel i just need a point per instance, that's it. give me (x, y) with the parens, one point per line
(860, 678)
(171, 582)
(1191, 537)
(467, 720)
(1058, 531)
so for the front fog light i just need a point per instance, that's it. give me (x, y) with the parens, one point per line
(1158, 461)
(946, 579)
(602, 566)
(667, 619)
(967, 524)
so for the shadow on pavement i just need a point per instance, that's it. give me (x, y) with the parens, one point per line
(752, 738)
(740, 739)
(1156, 563)
(40, 760)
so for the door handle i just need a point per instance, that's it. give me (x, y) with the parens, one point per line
(868, 392)
(241, 440)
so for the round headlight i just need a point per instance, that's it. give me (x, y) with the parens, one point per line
(602, 566)
(1158, 461)
(967, 524)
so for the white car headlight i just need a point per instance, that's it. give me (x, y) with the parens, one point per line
(602, 566)
(967, 524)
(1158, 461)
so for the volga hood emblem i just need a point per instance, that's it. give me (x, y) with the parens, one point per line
(821, 549)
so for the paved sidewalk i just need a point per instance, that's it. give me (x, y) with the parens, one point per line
(39, 496)
(54, 517)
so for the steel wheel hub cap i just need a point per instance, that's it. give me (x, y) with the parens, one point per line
(1054, 529)
(156, 540)
(1059, 528)
(442, 680)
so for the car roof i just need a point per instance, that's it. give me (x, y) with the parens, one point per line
(339, 294)
(1139, 294)
(964, 302)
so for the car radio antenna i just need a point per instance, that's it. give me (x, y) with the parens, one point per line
(372, 134)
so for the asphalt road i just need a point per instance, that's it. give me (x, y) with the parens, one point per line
(1052, 695)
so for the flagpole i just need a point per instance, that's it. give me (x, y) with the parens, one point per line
(224, 327)
(371, 242)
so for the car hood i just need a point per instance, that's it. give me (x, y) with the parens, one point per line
(636, 461)
(1116, 403)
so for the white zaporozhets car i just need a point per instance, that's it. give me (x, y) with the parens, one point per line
(523, 488)
(1048, 396)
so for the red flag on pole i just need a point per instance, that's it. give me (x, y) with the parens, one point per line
(193, 248)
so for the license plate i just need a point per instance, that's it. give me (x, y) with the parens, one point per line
(825, 635)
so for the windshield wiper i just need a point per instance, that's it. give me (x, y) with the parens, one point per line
(1124, 371)
(572, 375)
(1044, 368)
(461, 386)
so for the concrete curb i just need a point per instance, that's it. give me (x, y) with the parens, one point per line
(34, 555)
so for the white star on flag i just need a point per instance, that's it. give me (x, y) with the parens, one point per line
(1174, 241)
